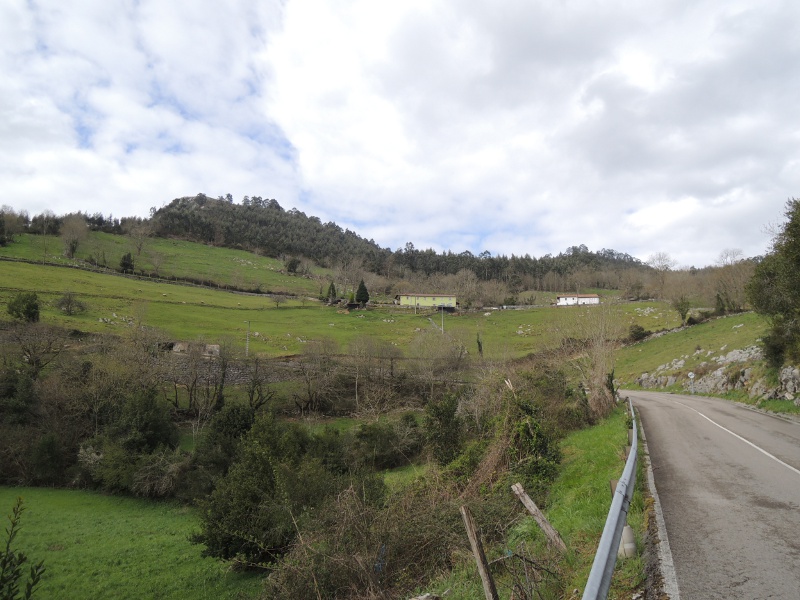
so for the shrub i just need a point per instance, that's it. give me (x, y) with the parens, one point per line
(12, 562)
(637, 333)
(443, 428)
(270, 491)
(126, 264)
(24, 306)
(387, 445)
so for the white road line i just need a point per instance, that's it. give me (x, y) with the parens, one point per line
(772, 456)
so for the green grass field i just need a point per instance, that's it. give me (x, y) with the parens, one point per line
(115, 304)
(696, 344)
(97, 546)
(181, 259)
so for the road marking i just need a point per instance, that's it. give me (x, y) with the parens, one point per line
(772, 456)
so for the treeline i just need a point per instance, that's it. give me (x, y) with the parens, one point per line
(264, 226)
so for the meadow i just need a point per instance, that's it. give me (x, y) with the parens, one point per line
(116, 304)
(97, 546)
(696, 345)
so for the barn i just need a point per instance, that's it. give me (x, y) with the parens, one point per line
(577, 299)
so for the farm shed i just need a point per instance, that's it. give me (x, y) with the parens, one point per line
(426, 300)
(577, 299)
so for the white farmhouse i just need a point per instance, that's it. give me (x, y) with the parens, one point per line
(577, 299)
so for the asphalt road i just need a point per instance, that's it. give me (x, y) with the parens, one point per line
(728, 478)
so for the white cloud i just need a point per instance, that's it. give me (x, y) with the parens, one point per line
(526, 127)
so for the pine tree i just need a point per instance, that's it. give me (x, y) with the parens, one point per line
(362, 295)
(331, 292)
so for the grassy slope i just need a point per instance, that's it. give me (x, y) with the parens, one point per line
(580, 498)
(182, 259)
(98, 546)
(577, 507)
(697, 344)
(190, 312)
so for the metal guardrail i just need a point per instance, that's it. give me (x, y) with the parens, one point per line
(603, 567)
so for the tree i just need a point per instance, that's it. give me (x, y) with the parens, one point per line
(589, 341)
(73, 231)
(70, 304)
(362, 295)
(157, 259)
(293, 264)
(12, 562)
(126, 263)
(682, 305)
(331, 293)
(24, 306)
(317, 372)
(662, 263)
(774, 290)
(731, 279)
(139, 232)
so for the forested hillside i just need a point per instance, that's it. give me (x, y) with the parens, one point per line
(264, 226)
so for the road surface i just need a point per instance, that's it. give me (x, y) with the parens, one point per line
(728, 478)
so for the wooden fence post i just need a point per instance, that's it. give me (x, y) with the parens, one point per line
(544, 524)
(489, 588)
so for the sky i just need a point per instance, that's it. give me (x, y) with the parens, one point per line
(514, 127)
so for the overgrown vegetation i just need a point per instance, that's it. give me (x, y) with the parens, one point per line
(278, 413)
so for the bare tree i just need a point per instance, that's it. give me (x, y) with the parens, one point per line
(317, 371)
(138, 234)
(157, 259)
(730, 281)
(258, 394)
(662, 263)
(74, 230)
(589, 339)
(38, 344)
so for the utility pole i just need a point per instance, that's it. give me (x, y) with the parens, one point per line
(442, 319)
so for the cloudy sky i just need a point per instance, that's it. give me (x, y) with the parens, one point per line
(514, 126)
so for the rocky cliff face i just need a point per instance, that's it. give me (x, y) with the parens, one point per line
(725, 373)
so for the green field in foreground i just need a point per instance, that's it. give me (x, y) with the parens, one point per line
(97, 546)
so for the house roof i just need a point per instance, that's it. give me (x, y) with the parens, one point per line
(434, 295)
(577, 296)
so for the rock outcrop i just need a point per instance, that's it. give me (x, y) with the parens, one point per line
(724, 373)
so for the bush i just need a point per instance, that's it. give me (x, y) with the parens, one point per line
(443, 429)
(637, 333)
(387, 445)
(126, 264)
(272, 489)
(24, 306)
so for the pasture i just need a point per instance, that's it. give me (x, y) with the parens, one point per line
(116, 305)
(97, 546)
